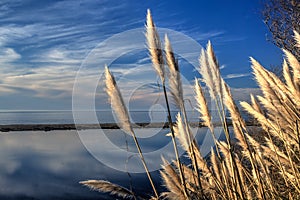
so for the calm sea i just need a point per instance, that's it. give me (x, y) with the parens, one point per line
(66, 117)
(49, 165)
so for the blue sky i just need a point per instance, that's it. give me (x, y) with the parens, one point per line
(43, 43)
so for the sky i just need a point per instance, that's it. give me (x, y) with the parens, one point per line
(44, 45)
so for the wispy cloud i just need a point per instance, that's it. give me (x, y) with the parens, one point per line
(222, 66)
(8, 55)
(230, 76)
(42, 46)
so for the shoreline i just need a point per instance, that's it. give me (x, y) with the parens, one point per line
(52, 127)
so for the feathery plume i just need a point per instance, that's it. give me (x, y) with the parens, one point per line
(255, 104)
(202, 106)
(297, 38)
(224, 148)
(202, 164)
(256, 114)
(295, 65)
(261, 76)
(106, 186)
(182, 135)
(174, 79)
(237, 121)
(215, 164)
(173, 188)
(171, 179)
(119, 107)
(182, 132)
(210, 71)
(171, 61)
(276, 92)
(154, 47)
(288, 77)
(189, 175)
(257, 146)
(176, 88)
(188, 145)
(214, 67)
(284, 158)
(117, 102)
(206, 74)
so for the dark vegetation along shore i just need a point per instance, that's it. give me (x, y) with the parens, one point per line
(52, 127)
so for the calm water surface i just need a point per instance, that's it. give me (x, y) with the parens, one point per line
(66, 117)
(40, 165)
(49, 165)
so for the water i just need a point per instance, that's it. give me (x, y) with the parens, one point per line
(36, 117)
(66, 117)
(39, 165)
(49, 165)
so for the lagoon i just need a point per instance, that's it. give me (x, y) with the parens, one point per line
(49, 165)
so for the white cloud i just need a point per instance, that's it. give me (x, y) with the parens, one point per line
(222, 66)
(230, 76)
(8, 55)
(207, 35)
(59, 56)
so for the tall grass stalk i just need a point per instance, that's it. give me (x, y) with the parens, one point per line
(209, 69)
(120, 109)
(155, 50)
(177, 94)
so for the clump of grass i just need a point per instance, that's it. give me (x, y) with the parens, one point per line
(244, 166)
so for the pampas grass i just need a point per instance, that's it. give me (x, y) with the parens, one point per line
(202, 106)
(154, 46)
(263, 165)
(117, 102)
(106, 186)
(120, 109)
(174, 74)
(177, 94)
(172, 181)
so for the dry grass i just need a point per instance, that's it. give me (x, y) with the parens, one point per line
(105, 186)
(247, 165)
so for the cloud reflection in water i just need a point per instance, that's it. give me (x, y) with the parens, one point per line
(49, 165)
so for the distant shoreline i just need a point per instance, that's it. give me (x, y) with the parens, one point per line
(52, 127)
